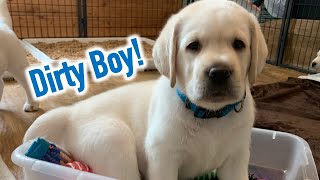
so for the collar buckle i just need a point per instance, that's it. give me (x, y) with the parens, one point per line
(241, 104)
(188, 103)
(240, 109)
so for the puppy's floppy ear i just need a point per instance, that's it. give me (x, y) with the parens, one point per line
(259, 50)
(165, 50)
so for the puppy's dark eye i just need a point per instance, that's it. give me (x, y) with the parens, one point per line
(194, 46)
(238, 44)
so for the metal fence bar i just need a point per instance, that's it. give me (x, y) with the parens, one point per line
(84, 19)
(80, 29)
(284, 32)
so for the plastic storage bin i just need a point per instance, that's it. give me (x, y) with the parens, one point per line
(281, 156)
(41, 170)
(274, 156)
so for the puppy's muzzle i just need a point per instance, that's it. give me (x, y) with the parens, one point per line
(219, 74)
(218, 83)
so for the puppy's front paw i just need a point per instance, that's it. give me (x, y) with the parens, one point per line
(31, 107)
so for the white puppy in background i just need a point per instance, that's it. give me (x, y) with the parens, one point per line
(209, 52)
(4, 14)
(315, 64)
(13, 57)
(6, 19)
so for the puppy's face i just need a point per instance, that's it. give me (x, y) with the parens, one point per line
(315, 64)
(216, 47)
(214, 54)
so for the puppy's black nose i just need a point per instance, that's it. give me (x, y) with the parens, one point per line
(313, 64)
(219, 74)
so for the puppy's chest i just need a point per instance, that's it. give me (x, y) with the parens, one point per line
(206, 149)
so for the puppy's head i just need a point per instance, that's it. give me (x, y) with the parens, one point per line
(315, 64)
(211, 50)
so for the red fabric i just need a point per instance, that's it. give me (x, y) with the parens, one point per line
(79, 166)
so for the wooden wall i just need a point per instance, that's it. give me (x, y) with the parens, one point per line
(105, 18)
(123, 17)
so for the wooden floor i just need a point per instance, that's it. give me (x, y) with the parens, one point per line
(14, 122)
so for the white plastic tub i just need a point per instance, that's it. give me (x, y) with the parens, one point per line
(46, 59)
(274, 155)
(41, 170)
(282, 154)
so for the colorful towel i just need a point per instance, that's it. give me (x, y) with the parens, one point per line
(43, 150)
(46, 151)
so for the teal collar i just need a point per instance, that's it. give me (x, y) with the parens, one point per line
(203, 113)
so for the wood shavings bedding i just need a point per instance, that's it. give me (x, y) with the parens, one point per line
(75, 50)
(31, 59)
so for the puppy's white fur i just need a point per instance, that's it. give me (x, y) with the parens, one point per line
(13, 56)
(5, 17)
(316, 61)
(144, 128)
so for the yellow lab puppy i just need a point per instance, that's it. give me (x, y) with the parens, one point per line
(196, 118)
(315, 64)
